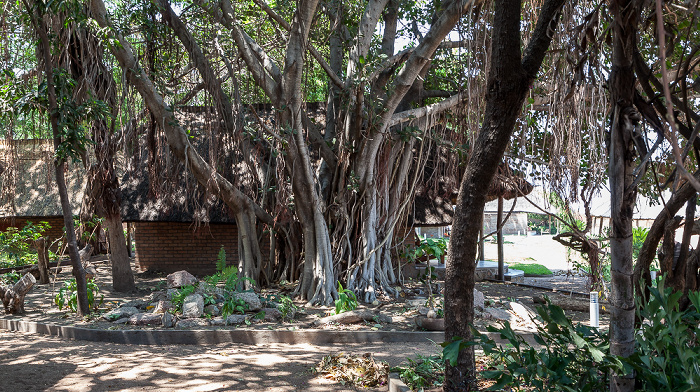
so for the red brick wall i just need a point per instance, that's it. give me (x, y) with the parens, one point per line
(55, 232)
(170, 246)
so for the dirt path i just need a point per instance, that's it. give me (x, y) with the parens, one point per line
(31, 362)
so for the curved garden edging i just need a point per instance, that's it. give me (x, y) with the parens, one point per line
(170, 336)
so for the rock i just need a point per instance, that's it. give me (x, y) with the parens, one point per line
(137, 303)
(498, 314)
(156, 296)
(180, 278)
(170, 293)
(168, 320)
(272, 314)
(205, 288)
(430, 324)
(163, 307)
(478, 300)
(523, 312)
(121, 321)
(375, 303)
(119, 313)
(235, 319)
(423, 311)
(431, 314)
(146, 319)
(192, 323)
(193, 306)
(415, 303)
(251, 299)
(211, 310)
(90, 271)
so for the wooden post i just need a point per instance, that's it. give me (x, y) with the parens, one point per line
(43, 259)
(499, 236)
(481, 244)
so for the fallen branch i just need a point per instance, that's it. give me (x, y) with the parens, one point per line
(353, 317)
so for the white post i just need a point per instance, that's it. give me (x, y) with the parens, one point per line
(594, 309)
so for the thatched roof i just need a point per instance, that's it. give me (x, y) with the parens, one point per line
(27, 180)
(429, 212)
(507, 185)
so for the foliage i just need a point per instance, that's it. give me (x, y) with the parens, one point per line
(432, 247)
(571, 357)
(286, 306)
(10, 278)
(362, 371)
(179, 297)
(15, 244)
(639, 235)
(531, 268)
(233, 305)
(87, 228)
(68, 295)
(346, 300)
(541, 223)
(423, 372)
(667, 350)
(226, 274)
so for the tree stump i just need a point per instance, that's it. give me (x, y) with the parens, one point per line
(13, 297)
(43, 259)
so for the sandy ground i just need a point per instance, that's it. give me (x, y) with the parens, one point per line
(31, 362)
(540, 249)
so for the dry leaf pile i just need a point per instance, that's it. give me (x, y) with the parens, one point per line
(362, 371)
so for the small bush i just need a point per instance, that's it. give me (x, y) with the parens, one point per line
(68, 295)
(346, 300)
(423, 372)
(667, 350)
(572, 358)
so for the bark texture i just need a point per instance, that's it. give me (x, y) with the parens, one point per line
(13, 297)
(622, 193)
(510, 78)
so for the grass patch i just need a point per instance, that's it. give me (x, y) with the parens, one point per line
(530, 268)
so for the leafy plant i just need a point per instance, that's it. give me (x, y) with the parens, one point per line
(226, 274)
(179, 297)
(571, 358)
(346, 300)
(667, 350)
(233, 305)
(68, 295)
(286, 306)
(15, 244)
(423, 372)
(10, 278)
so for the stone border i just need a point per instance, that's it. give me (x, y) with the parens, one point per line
(174, 336)
(396, 385)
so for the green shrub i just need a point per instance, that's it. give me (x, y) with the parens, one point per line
(15, 244)
(531, 268)
(226, 274)
(423, 372)
(572, 358)
(346, 300)
(667, 356)
(233, 305)
(179, 297)
(10, 278)
(68, 295)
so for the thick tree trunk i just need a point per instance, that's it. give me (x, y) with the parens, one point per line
(509, 80)
(122, 275)
(43, 259)
(622, 195)
(13, 297)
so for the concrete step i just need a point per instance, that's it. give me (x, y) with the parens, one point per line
(514, 275)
